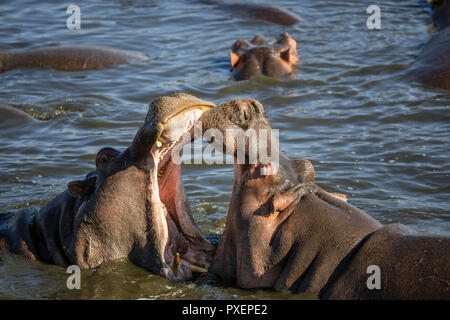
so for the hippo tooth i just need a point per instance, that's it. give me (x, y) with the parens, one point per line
(198, 269)
(176, 261)
(158, 143)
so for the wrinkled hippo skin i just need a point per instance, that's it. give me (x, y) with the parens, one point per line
(257, 57)
(133, 206)
(70, 58)
(286, 233)
(257, 11)
(35, 233)
(432, 67)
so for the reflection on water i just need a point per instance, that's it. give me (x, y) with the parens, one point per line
(350, 110)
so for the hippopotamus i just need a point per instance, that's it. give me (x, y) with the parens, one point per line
(440, 13)
(132, 206)
(69, 58)
(276, 60)
(257, 11)
(286, 233)
(432, 66)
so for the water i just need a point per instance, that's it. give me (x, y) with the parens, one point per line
(350, 110)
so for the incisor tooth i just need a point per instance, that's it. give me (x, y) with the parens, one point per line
(198, 269)
(158, 143)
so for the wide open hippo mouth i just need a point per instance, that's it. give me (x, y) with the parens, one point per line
(180, 246)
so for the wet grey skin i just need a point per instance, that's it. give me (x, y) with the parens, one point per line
(432, 66)
(440, 13)
(262, 12)
(132, 206)
(277, 59)
(69, 58)
(286, 233)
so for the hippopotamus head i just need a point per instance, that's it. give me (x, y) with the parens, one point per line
(440, 13)
(282, 231)
(275, 60)
(134, 205)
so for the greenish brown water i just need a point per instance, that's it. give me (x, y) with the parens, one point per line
(349, 109)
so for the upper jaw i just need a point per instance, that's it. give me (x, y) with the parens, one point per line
(186, 250)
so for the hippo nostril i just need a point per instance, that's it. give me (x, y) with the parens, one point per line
(245, 113)
(257, 107)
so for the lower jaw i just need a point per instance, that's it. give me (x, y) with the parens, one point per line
(182, 260)
(179, 256)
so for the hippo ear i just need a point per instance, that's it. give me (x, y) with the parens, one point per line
(81, 188)
(285, 55)
(290, 54)
(234, 59)
(104, 156)
(340, 196)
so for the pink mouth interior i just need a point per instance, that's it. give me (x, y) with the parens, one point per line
(184, 247)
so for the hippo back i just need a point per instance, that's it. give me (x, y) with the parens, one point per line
(411, 266)
(433, 65)
(18, 233)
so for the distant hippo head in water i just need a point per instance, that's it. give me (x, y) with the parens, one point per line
(285, 232)
(69, 58)
(133, 206)
(257, 57)
(440, 13)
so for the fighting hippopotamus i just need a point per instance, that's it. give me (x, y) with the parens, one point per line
(432, 67)
(133, 206)
(285, 232)
(258, 11)
(69, 58)
(275, 60)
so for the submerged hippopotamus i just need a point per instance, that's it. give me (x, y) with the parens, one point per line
(440, 13)
(133, 206)
(432, 67)
(276, 60)
(258, 11)
(70, 58)
(284, 232)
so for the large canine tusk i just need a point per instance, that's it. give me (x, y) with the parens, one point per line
(198, 269)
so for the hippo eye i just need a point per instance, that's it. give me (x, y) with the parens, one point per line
(107, 157)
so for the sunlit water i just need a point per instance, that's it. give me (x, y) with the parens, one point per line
(349, 109)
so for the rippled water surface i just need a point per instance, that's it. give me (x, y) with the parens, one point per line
(349, 109)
